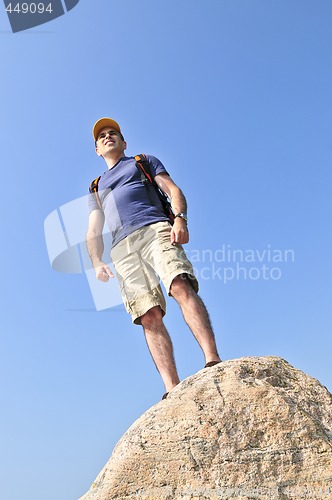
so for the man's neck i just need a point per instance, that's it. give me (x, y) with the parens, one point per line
(113, 160)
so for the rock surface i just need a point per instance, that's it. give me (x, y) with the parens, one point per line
(254, 427)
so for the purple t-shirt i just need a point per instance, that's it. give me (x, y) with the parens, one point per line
(127, 203)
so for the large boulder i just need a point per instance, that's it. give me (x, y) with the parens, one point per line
(254, 427)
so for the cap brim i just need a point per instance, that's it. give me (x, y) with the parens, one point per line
(102, 123)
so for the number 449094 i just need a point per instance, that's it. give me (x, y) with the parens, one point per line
(29, 8)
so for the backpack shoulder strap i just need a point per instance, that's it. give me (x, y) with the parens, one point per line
(94, 190)
(142, 163)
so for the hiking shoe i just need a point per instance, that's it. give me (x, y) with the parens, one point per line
(212, 363)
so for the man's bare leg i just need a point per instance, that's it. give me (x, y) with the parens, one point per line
(160, 347)
(196, 317)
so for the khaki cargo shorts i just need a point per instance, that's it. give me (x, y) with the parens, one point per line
(144, 258)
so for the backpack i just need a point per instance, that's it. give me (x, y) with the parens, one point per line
(142, 164)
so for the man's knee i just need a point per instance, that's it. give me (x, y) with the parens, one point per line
(181, 288)
(152, 318)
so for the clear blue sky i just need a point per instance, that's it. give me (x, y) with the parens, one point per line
(234, 97)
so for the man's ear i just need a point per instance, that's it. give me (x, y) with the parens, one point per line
(97, 152)
(124, 145)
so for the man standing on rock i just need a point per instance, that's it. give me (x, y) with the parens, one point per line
(146, 247)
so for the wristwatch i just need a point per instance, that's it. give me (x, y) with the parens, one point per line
(182, 216)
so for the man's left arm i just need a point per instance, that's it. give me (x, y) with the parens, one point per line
(179, 232)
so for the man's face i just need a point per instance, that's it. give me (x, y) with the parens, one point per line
(109, 141)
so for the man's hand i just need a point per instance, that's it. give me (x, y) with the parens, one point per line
(103, 272)
(179, 233)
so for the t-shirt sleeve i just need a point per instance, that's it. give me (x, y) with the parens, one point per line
(92, 202)
(156, 166)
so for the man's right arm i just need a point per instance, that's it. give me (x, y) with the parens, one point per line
(95, 245)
